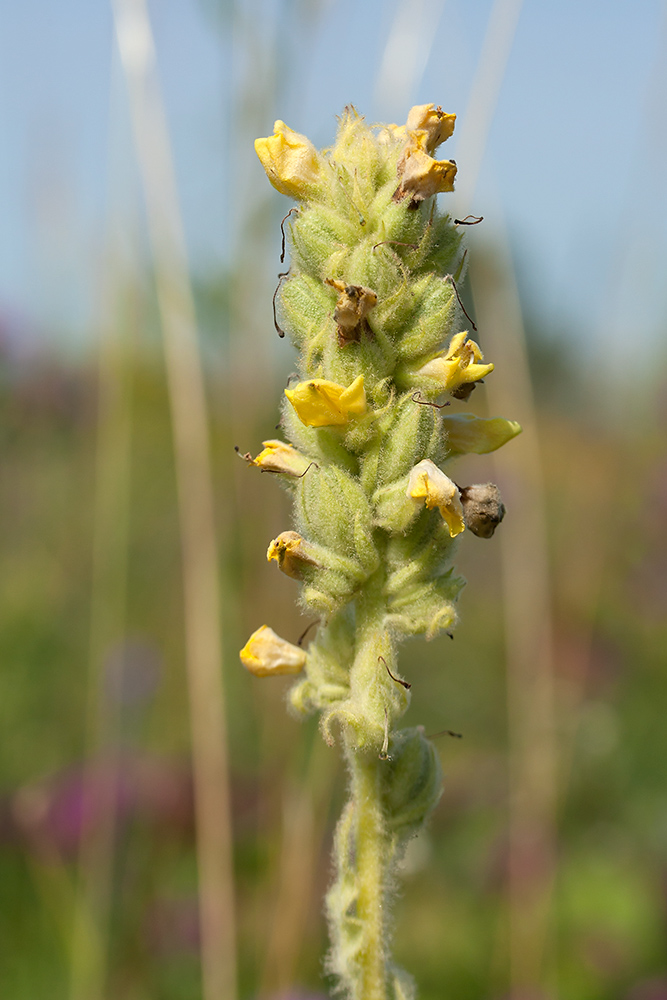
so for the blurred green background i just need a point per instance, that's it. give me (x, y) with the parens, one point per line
(544, 870)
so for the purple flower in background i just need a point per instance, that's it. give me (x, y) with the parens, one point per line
(59, 811)
(649, 989)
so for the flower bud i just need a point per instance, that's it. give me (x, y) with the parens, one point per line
(291, 162)
(291, 553)
(354, 304)
(411, 780)
(428, 483)
(320, 403)
(467, 434)
(265, 654)
(483, 508)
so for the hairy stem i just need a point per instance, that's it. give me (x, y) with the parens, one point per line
(370, 854)
(366, 850)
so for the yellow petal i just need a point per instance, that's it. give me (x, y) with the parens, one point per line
(291, 162)
(456, 345)
(320, 403)
(353, 399)
(265, 654)
(458, 366)
(468, 434)
(429, 483)
(420, 175)
(278, 456)
(437, 125)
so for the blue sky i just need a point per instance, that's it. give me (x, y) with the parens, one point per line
(573, 165)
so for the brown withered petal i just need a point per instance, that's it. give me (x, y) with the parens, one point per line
(483, 508)
(354, 304)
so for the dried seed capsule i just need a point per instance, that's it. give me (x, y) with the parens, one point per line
(483, 509)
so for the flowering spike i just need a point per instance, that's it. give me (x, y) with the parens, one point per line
(374, 565)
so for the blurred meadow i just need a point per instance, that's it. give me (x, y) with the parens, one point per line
(165, 824)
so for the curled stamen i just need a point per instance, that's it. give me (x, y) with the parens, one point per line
(397, 679)
(450, 279)
(307, 628)
(248, 457)
(284, 472)
(282, 230)
(279, 330)
(398, 243)
(425, 402)
(476, 219)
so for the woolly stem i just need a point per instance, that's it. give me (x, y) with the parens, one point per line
(368, 971)
(370, 854)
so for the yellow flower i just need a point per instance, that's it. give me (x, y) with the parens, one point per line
(458, 369)
(420, 175)
(265, 654)
(291, 162)
(290, 551)
(428, 483)
(320, 403)
(467, 434)
(437, 125)
(279, 457)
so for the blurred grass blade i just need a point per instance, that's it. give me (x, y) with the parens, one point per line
(528, 634)
(406, 55)
(474, 126)
(92, 905)
(195, 493)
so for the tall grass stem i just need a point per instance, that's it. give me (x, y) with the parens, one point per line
(196, 505)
